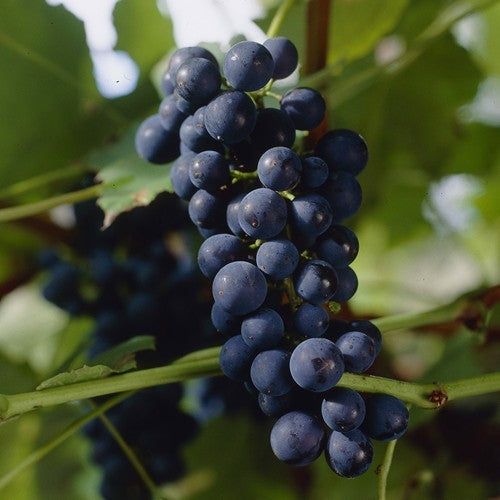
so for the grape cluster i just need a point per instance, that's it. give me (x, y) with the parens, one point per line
(275, 247)
(136, 277)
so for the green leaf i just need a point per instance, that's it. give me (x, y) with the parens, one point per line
(122, 356)
(356, 26)
(129, 180)
(51, 110)
(118, 359)
(82, 374)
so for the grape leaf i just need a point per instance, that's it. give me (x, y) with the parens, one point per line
(129, 181)
(357, 25)
(118, 359)
(48, 92)
(82, 374)
(122, 356)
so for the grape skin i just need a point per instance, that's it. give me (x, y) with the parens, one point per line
(239, 288)
(316, 364)
(297, 438)
(278, 259)
(262, 213)
(349, 454)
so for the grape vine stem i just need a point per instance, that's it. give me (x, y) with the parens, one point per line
(205, 363)
(279, 18)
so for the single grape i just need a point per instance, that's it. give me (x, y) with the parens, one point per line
(316, 364)
(179, 176)
(262, 213)
(198, 80)
(233, 208)
(225, 322)
(183, 105)
(349, 454)
(386, 417)
(316, 282)
(196, 142)
(311, 321)
(230, 117)
(310, 215)
(183, 54)
(343, 150)
(235, 358)
(262, 329)
(217, 251)
(339, 246)
(306, 107)
(275, 406)
(199, 121)
(270, 372)
(279, 168)
(170, 116)
(346, 286)
(343, 409)
(315, 172)
(166, 83)
(343, 192)
(369, 329)
(248, 66)
(206, 210)
(278, 259)
(155, 143)
(239, 288)
(358, 350)
(208, 170)
(297, 438)
(284, 54)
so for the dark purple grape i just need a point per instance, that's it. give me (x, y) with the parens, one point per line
(306, 108)
(230, 117)
(316, 364)
(279, 168)
(217, 251)
(239, 288)
(225, 322)
(344, 194)
(235, 358)
(179, 176)
(297, 438)
(339, 246)
(346, 286)
(278, 259)
(208, 170)
(270, 372)
(198, 80)
(369, 329)
(316, 282)
(349, 454)
(262, 329)
(343, 409)
(284, 54)
(343, 150)
(358, 350)
(262, 213)
(170, 116)
(206, 210)
(315, 172)
(233, 208)
(311, 321)
(310, 215)
(386, 417)
(248, 66)
(154, 143)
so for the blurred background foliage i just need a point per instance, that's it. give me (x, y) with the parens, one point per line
(425, 93)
